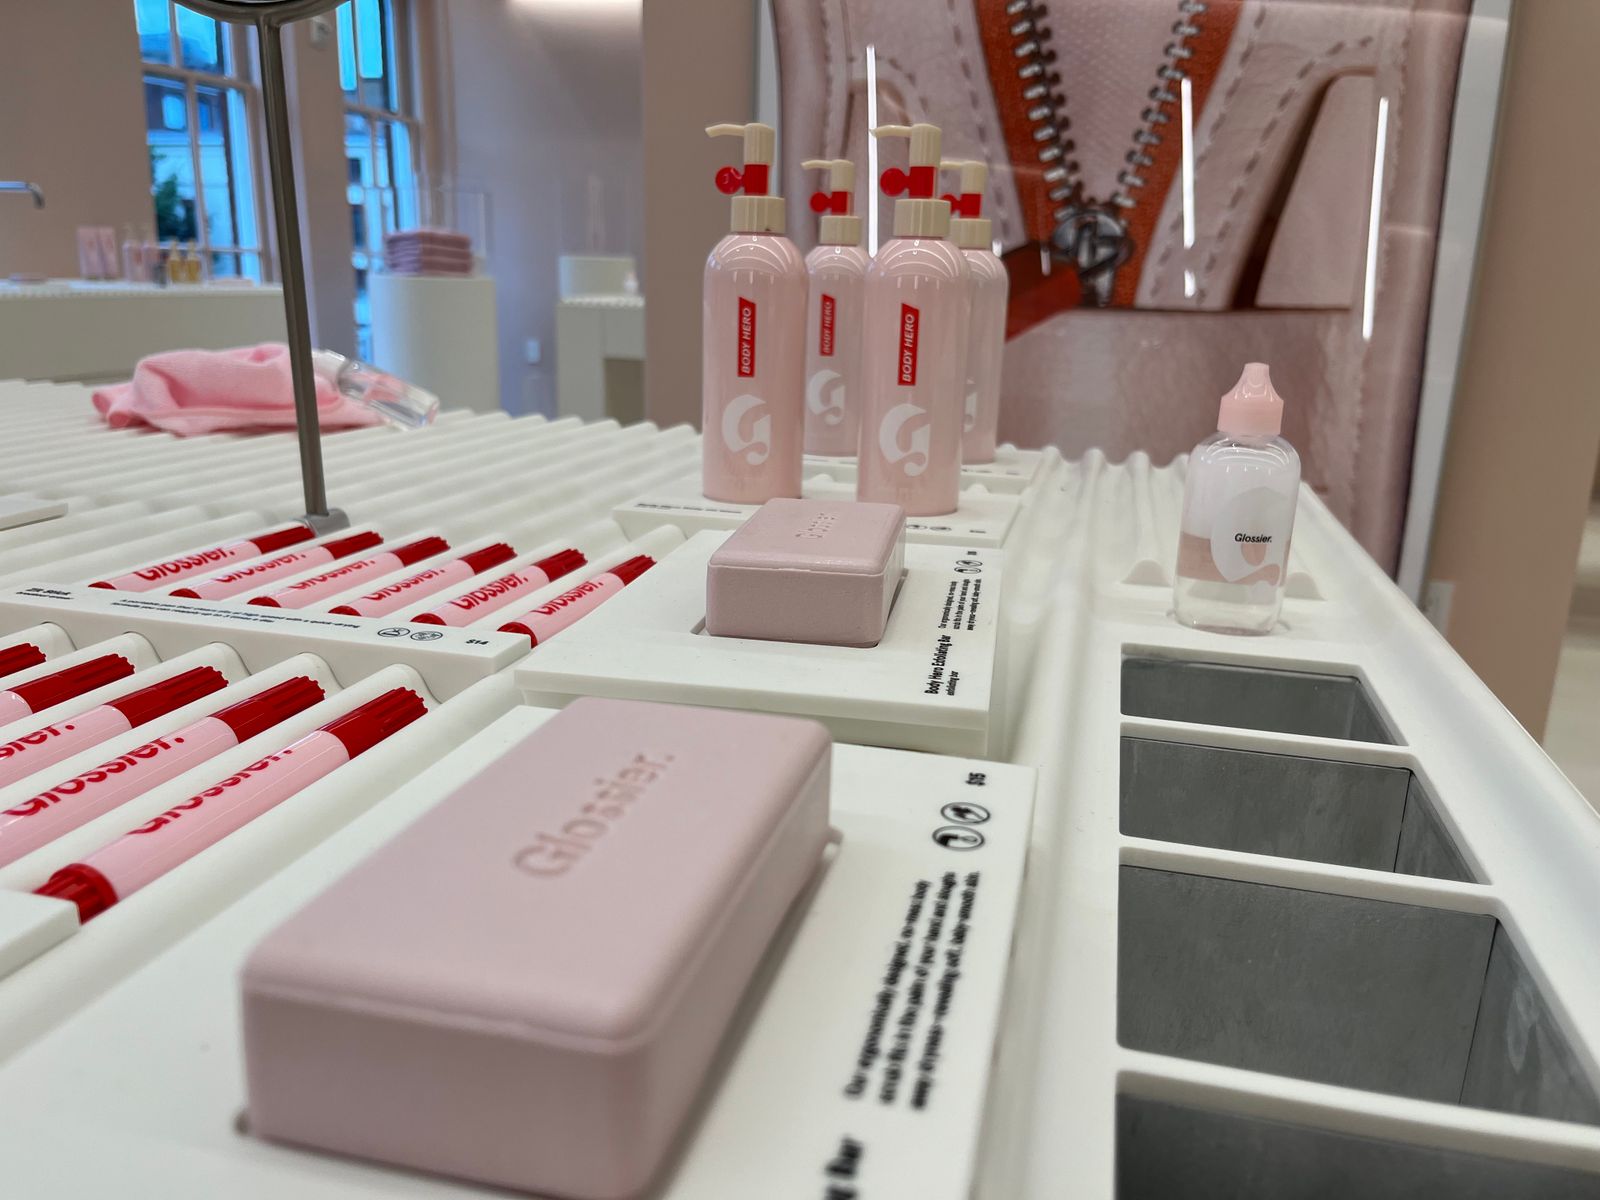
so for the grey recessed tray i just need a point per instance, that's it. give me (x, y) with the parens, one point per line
(1351, 814)
(1171, 1151)
(1205, 693)
(1391, 997)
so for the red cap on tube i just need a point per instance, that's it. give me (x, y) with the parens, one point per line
(366, 726)
(343, 547)
(279, 538)
(265, 709)
(39, 694)
(21, 656)
(489, 556)
(84, 886)
(420, 549)
(562, 562)
(633, 568)
(158, 699)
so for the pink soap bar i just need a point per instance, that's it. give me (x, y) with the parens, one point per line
(527, 986)
(822, 571)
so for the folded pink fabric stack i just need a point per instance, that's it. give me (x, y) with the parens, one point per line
(189, 392)
(427, 252)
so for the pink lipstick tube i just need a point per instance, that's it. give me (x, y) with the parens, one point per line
(343, 578)
(425, 583)
(49, 690)
(49, 744)
(550, 618)
(141, 856)
(43, 818)
(231, 583)
(155, 574)
(497, 593)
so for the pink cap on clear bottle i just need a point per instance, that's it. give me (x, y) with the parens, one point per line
(1252, 408)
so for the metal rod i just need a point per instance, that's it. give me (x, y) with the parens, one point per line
(291, 263)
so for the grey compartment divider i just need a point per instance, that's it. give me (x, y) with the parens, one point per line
(1330, 706)
(1171, 1151)
(1390, 997)
(1351, 814)
(1520, 1061)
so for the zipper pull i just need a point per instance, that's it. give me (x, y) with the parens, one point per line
(1095, 241)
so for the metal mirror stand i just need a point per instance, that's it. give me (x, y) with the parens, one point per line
(269, 18)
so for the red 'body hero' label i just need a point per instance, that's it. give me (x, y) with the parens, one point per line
(825, 329)
(747, 337)
(910, 321)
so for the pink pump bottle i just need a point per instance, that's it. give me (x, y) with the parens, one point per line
(837, 268)
(1238, 514)
(753, 358)
(914, 345)
(986, 340)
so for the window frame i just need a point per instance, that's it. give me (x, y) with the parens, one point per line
(241, 50)
(396, 18)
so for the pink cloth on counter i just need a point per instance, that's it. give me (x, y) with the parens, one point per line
(188, 392)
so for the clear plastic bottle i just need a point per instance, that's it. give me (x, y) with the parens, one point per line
(1238, 515)
(392, 398)
(132, 256)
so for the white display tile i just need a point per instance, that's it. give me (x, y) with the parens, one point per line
(928, 685)
(28, 510)
(873, 1016)
(983, 519)
(1012, 470)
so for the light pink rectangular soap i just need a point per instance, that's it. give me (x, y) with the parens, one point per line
(822, 571)
(527, 986)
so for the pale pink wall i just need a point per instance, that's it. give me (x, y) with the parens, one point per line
(1525, 427)
(72, 121)
(546, 119)
(699, 69)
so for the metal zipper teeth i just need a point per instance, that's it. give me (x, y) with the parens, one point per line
(1046, 107)
(1164, 95)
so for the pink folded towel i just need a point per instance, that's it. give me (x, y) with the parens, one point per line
(188, 392)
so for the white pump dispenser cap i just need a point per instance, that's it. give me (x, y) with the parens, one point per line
(754, 211)
(968, 229)
(839, 225)
(918, 214)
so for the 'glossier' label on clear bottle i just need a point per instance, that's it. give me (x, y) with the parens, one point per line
(1248, 542)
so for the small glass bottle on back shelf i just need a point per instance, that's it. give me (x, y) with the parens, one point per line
(1238, 515)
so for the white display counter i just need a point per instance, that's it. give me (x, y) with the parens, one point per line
(80, 329)
(1301, 915)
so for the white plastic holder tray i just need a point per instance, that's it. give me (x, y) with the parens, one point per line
(857, 1065)
(983, 518)
(354, 647)
(928, 685)
(26, 510)
(54, 966)
(1011, 471)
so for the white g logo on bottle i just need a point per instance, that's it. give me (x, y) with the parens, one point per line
(825, 396)
(758, 445)
(969, 411)
(899, 443)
